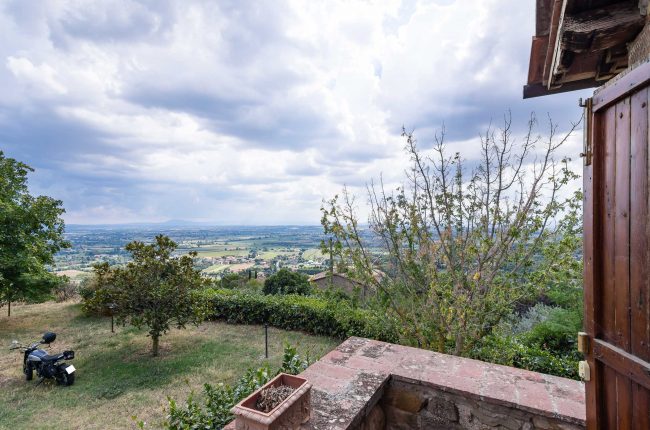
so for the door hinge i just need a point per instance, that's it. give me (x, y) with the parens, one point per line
(584, 371)
(583, 342)
(587, 150)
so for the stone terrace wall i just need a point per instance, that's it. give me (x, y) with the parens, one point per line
(406, 405)
(369, 385)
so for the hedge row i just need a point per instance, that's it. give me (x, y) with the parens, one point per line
(324, 317)
(291, 312)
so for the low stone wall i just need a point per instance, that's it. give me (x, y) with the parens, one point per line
(369, 385)
(406, 405)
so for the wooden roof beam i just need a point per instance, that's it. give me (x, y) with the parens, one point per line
(593, 30)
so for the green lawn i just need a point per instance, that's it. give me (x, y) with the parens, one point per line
(116, 377)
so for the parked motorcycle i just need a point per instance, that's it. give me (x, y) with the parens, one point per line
(45, 365)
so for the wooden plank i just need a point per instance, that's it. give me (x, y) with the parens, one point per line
(538, 90)
(623, 402)
(606, 318)
(621, 87)
(640, 407)
(592, 175)
(640, 255)
(621, 253)
(608, 415)
(536, 65)
(623, 362)
(553, 45)
(543, 17)
(621, 227)
(640, 227)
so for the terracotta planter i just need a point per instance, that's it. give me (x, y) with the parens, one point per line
(288, 415)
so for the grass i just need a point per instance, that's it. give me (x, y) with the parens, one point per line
(116, 377)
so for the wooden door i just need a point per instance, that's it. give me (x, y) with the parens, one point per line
(617, 258)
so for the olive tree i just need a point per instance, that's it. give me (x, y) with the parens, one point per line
(461, 246)
(155, 290)
(287, 282)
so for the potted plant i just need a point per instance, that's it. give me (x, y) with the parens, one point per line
(283, 403)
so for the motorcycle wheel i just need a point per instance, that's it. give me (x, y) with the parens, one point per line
(29, 372)
(65, 378)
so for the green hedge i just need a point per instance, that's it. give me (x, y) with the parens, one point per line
(320, 316)
(291, 312)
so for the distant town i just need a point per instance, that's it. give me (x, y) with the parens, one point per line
(220, 250)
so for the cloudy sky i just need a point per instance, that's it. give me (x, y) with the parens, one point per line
(249, 112)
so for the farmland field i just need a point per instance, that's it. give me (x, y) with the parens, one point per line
(212, 252)
(234, 268)
(116, 377)
(95, 244)
(313, 254)
(272, 253)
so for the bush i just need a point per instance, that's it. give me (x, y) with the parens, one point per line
(517, 352)
(219, 399)
(232, 281)
(558, 332)
(287, 282)
(293, 312)
(253, 286)
(65, 291)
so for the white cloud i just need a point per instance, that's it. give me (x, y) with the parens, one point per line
(248, 111)
(42, 78)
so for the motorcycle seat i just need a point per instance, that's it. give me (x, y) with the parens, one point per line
(52, 357)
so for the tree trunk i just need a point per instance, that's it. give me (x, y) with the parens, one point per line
(155, 345)
(460, 343)
(9, 308)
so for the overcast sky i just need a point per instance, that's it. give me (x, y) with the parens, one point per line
(245, 112)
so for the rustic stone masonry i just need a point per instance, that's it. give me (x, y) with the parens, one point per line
(369, 385)
(406, 405)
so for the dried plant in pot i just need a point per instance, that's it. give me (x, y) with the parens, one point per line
(284, 403)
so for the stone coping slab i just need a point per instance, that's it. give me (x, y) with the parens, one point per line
(350, 380)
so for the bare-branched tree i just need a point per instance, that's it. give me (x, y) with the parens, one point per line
(458, 248)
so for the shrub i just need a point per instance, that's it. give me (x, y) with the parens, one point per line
(253, 286)
(219, 399)
(517, 352)
(287, 282)
(232, 281)
(557, 333)
(293, 312)
(66, 291)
